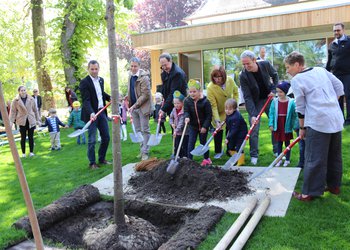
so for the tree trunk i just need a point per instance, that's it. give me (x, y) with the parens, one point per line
(119, 218)
(39, 36)
(66, 35)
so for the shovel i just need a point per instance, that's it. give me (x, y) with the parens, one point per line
(279, 157)
(86, 127)
(173, 165)
(219, 155)
(200, 149)
(234, 158)
(155, 139)
(136, 137)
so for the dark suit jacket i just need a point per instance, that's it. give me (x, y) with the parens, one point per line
(89, 97)
(175, 80)
(339, 57)
(250, 87)
(40, 102)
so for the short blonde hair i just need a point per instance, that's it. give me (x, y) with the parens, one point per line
(231, 103)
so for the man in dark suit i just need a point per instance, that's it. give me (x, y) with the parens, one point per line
(339, 64)
(38, 100)
(94, 98)
(256, 86)
(173, 78)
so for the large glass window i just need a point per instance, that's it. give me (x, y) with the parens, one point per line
(210, 59)
(175, 57)
(314, 52)
(280, 51)
(268, 51)
(233, 63)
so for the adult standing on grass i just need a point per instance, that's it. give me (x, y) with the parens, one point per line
(339, 64)
(173, 78)
(71, 97)
(316, 93)
(257, 86)
(38, 100)
(140, 102)
(94, 99)
(25, 114)
(220, 89)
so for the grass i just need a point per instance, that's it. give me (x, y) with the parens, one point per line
(322, 224)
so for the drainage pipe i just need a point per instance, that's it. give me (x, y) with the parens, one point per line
(236, 226)
(253, 222)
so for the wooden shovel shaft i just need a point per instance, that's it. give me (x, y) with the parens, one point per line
(21, 175)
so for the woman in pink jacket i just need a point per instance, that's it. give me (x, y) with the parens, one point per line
(25, 114)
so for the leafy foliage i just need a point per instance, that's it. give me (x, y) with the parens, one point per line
(16, 61)
(159, 14)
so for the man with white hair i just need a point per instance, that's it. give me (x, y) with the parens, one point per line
(256, 85)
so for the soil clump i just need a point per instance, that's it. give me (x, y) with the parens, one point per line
(190, 183)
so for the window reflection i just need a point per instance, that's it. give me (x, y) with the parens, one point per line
(280, 51)
(315, 52)
(210, 59)
(233, 62)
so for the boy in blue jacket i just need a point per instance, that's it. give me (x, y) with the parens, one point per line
(53, 124)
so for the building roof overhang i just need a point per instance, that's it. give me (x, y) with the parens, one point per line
(271, 25)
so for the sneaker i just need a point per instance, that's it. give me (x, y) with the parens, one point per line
(31, 154)
(278, 164)
(144, 157)
(24, 156)
(286, 163)
(254, 160)
(206, 162)
(284, 158)
(58, 148)
(52, 149)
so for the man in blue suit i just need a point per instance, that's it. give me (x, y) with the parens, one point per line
(94, 99)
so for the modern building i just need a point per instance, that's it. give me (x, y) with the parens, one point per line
(220, 30)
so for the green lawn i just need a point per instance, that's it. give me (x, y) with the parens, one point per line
(322, 224)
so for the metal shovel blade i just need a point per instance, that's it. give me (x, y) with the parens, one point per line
(78, 132)
(136, 138)
(172, 167)
(219, 155)
(200, 150)
(154, 140)
(232, 161)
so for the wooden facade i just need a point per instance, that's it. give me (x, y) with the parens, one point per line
(309, 24)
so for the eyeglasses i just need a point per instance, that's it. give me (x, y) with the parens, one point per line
(336, 30)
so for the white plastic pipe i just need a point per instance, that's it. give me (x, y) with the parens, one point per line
(249, 228)
(236, 226)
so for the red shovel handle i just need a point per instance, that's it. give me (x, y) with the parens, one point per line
(258, 117)
(291, 145)
(100, 111)
(218, 128)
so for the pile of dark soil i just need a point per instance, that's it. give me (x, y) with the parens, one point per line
(190, 183)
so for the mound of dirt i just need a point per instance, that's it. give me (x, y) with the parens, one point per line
(190, 183)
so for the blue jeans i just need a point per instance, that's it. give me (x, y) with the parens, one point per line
(192, 138)
(83, 138)
(101, 123)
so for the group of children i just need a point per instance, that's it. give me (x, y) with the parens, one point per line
(196, 111)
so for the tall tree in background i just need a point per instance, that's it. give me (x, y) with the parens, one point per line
(160, 14)
(155, 14)
(40, 46)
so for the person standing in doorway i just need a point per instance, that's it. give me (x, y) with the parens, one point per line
(94, 99)
(339, 64)
(173, 78)
(256, 84)
(140, 102)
